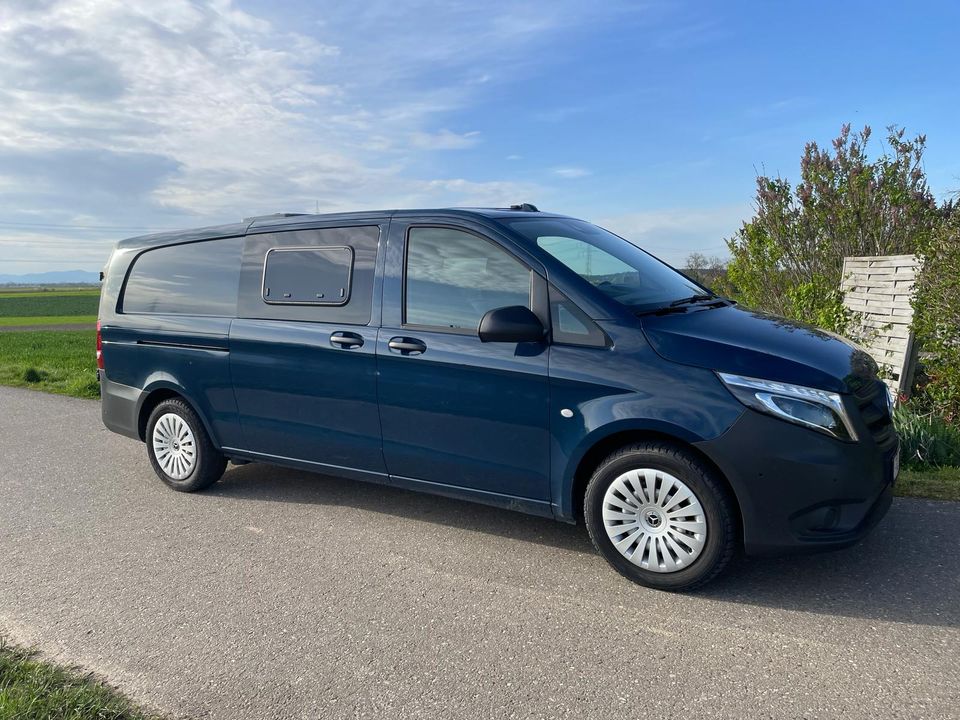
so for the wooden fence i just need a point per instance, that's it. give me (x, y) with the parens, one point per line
(878, 291)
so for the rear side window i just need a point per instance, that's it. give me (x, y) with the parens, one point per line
(198, 278)
(307, 276)
(314, 275)
(453, 278)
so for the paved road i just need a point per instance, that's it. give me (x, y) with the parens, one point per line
(279, 594)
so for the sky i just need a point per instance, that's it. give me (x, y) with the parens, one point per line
(121, 117)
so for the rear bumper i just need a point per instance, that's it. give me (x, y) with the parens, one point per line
(120, 407)
(799, 490)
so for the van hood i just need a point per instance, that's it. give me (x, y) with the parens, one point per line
(734, 340)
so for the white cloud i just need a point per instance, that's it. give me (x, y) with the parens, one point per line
(444, 140)
(183, 112)
(42, 249)
(570, 173)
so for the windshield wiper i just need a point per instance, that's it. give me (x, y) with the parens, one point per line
(694, 299)
(681, 305)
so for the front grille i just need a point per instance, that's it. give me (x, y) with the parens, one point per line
(870, 397)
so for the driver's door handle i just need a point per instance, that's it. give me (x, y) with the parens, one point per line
(407, 346)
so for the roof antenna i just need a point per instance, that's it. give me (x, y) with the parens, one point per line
(525, 207)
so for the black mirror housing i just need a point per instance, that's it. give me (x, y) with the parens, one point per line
(513, 324)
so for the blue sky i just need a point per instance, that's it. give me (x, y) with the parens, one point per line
(122, 116)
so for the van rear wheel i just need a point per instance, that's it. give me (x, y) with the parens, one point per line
(660, 516)
(179, 448)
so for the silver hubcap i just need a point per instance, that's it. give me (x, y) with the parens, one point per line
(174, 446)
(654, 520)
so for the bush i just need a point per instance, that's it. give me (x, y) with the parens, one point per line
(936, 304)
(788, 259)
(926, 439)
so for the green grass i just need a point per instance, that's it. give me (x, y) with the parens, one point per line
(31, 689)
(62, 362)
(926, 439)
(937, 484)
(47, 320)
(48, 304)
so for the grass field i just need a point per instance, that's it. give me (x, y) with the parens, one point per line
(34, 690)
(937, 484)
(48, 320)
(49, 304)
(61, 362)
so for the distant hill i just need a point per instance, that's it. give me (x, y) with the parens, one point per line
(72, 277)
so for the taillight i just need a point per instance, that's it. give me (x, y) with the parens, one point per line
(99, 348)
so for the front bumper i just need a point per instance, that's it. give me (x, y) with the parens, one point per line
(799, 490)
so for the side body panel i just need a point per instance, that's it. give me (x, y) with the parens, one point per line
(188, 355)
(144, 352)
(463, 414)
(302, 397)
(301, 394)
(625, 388)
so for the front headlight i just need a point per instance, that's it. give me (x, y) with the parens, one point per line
(812, 408)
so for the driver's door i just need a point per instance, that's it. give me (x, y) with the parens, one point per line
(455, 411)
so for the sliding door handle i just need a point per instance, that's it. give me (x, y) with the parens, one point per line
(345, 339)
(407, 346)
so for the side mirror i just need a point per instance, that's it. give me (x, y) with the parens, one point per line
(513, 324)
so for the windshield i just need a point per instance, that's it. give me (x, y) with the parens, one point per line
(614, 266)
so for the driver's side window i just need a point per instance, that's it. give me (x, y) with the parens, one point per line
(454, 277)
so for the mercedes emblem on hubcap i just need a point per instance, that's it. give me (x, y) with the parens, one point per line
(653, 519)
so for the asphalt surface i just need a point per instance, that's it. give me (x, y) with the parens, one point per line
(279, 594)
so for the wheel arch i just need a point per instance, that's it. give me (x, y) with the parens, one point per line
(162, 390)
(604, 446)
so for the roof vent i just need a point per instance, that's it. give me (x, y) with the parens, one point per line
(272, 216)
(525, 207)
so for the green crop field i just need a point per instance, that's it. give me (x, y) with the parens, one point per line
(48, 320)
(49, 304)
(56, 361)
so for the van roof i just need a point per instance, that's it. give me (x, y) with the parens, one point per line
(291, 220)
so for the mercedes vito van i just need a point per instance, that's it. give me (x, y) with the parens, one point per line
(506, 356)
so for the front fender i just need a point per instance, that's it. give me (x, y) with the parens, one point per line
(599, 396)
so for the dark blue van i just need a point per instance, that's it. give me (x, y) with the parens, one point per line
(507, 356)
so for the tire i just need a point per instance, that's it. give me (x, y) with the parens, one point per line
(188, 460)
(637, 498)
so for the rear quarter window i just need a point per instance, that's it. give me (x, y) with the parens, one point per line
(198, 278)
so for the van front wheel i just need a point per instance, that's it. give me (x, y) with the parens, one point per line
(660, 516)
(179, 448)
